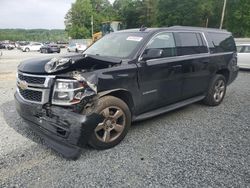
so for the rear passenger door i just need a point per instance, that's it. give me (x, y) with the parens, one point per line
(160, 79)
(192, 49)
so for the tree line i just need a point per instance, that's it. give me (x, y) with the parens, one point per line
(42, 35)
(158, 13)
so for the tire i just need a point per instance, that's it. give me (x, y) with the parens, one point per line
(41, 50)
(216, 91)
(27, 49)
(108, 134)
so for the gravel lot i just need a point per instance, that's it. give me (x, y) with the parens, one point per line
(195, 146)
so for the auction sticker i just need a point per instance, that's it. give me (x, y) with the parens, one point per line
(134, 38)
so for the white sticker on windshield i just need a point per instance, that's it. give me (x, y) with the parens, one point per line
(133, 38)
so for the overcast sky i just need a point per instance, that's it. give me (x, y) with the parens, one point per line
(31, 14)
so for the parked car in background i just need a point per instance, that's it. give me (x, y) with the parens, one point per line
(81, 47)
(71, 48)
(10, 46)
(2, 46)
(62, 44)
(19, 44)
(50, 48)
(76, 47)
(35, 46)
(243, 56)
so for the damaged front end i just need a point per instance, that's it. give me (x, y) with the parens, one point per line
(63, 114)
(57, 98)
(62, 119)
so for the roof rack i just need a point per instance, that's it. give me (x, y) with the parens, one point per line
(143, 28)
(197, 28)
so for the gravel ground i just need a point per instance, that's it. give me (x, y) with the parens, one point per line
(195, 146)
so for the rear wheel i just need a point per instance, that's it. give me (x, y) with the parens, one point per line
(116, 123)
(216, 91)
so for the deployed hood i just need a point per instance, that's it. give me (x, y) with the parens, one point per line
(66, 63)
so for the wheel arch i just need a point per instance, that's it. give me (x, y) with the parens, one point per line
(225, 73)
(122, 94)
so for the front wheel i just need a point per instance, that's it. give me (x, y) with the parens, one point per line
(216, 91)
(116, 123)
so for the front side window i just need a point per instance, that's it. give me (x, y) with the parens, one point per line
(191, 43)
(164, 42)
(118, 45)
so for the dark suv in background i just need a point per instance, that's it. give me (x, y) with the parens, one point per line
(126, 76)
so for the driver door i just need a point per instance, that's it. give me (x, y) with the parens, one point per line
(160, 79)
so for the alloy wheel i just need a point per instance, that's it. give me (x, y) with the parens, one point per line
(112, 126)
(219, 90)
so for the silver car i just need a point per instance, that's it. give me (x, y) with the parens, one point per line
(243, 56)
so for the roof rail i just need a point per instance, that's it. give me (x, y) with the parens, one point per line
(143, 28)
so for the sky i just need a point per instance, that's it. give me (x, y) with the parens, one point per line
(33, 14)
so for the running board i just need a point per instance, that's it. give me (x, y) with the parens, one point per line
(168, 108)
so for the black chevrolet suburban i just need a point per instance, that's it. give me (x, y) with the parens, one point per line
(126, 76)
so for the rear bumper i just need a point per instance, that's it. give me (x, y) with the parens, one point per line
(64, 131)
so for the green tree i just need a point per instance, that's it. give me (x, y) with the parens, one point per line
(237, 17)
(78, 19)
(148, 12)
(128, 12)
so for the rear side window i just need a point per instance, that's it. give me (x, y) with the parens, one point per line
(191, 43)
(222, 42)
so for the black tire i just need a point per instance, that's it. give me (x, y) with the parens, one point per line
(27, 49)
(216, 91)
(41, 50)
(109, 102)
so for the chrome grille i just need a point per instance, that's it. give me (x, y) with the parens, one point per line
(31, 79)
(37, 88)
(31, 95)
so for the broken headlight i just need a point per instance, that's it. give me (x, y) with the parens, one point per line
(68, 92)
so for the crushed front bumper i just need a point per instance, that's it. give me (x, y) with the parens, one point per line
(63, 130)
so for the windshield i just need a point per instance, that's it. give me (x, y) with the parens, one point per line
(120, 45)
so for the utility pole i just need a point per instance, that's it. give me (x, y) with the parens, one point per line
(92, 25)
(223, 14)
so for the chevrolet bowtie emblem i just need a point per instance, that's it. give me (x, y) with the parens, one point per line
(22, 84)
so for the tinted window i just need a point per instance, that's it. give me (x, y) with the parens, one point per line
(191, 43)
(223, 42)
(165, 42)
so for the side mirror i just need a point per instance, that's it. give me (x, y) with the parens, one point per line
(153, 53)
